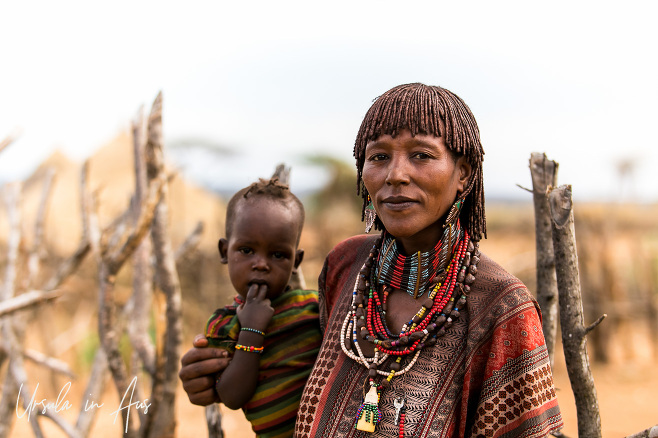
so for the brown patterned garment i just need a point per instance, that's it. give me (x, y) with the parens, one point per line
(489, 376)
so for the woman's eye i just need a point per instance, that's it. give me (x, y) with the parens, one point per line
(421, 155)
(378, 157)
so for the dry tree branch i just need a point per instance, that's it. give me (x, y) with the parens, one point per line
(297, 280)
(544, 175)
(593, 325)
(574, 340)
(37, 251)
(95, 385)
(131, 238)
(13, 328)
(162, 419)
(142, 271)
(11, 197)
(8, 140)
(651, 432)
(190, 243)
(68, 266)
(17, 383)
(88, 206)
(51, 363)
(214, 421)
(13, 379)
(112, 259)
(27, 299)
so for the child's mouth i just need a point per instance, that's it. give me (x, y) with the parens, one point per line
(258, 282)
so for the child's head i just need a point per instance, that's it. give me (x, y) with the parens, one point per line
(263, 225)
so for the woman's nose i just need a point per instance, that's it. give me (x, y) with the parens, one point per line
(398, 171)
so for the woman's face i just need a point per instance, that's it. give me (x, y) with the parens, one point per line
(413, 182)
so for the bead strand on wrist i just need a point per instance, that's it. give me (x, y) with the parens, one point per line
(249, 348)
(247, 329)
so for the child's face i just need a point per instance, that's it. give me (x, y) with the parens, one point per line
(262, 247)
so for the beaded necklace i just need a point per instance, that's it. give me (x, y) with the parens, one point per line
(367, 318)
(413, 273)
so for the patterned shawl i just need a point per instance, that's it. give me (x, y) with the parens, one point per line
(488, 376)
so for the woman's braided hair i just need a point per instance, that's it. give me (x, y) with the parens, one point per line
(428, 110)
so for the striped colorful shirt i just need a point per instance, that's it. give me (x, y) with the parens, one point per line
(292, 342)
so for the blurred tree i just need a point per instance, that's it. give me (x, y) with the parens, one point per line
(335, 209)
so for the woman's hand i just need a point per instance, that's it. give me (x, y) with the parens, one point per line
(200, 367)
(257, 311)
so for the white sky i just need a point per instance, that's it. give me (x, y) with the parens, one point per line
(577, 80)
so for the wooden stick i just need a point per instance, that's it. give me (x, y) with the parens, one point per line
(112, 260)
(138, 325)
(191, 242)
(8, 140)
(93, 391)
(88, 207)
(163, 420)
(574, 340)
(11, 197)
(51, 363)
(214, 421)
(26, 300)
(651, 432)
(297, 280)
(544, 176)
(10, 345)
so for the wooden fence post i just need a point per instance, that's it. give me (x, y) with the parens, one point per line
(544, 176)
(574, 332)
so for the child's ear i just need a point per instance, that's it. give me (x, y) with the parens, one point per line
(299, 256)
(222, 245)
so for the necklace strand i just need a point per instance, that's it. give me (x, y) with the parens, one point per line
(366, 318)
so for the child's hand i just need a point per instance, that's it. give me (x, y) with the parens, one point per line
(257, 311)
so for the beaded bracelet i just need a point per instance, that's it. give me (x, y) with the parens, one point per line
(247, 329)
(249, 348)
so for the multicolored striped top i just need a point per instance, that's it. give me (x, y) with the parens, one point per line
(292, 342)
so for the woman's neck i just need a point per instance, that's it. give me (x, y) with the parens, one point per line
(423, 243)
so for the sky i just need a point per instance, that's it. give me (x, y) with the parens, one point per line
(272, 81)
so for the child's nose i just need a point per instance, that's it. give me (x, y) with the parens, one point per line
(260, 264)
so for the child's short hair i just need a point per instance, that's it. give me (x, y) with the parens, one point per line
(268, 188)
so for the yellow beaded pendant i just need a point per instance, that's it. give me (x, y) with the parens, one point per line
(369, 415)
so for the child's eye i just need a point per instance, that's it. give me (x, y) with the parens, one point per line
(279, 255)
(245, 250)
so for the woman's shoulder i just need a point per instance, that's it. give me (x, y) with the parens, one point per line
(349, 249)
(494, 288)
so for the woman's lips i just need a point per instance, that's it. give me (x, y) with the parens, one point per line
(398, 203)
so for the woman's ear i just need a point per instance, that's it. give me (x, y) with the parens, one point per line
(465, 171)
(222, 245)
(299, 256)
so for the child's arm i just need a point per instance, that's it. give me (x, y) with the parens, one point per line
(238, 383)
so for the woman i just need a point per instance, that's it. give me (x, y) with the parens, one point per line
(424, 336)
